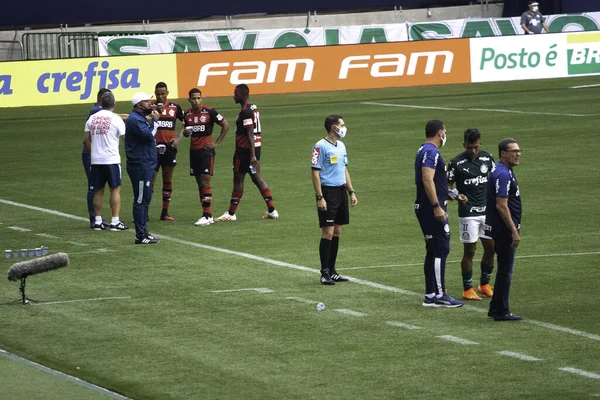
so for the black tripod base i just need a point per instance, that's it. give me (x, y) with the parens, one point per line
(24, 299)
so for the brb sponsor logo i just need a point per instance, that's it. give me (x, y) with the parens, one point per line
(583, 53)
(97, 75)
(165, 124)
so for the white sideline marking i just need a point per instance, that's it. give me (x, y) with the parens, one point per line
(498, 110)
(351, 312)
(582, 373)
(529, 112)
(302, 300)
(457, 261)
(98, 251)
(79, 300)
(520, 356)
(46, 210)
(392, 289)
(384, 266)
(371, 103)
(403, 325)
(259, 290)
(595, 395)
(47, 235)
(64, 376)
(18, 228)
(456, 339)
(584, 86)
(561, 254)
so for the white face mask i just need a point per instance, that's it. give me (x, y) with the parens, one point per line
(342, 131)
(444, 139)
(535, 8)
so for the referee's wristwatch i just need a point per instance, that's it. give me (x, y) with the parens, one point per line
(351, 192)
(319, 197)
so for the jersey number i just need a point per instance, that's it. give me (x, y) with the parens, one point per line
(256, 122)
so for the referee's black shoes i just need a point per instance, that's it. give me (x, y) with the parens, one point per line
(147, 240)
(505, 316)
(338, 278)
(326, 278)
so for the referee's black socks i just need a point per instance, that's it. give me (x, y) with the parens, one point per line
(325, 254)
(335, 242)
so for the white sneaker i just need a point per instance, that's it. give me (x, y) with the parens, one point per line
(273, 215)
(205, 221)
(226, 217)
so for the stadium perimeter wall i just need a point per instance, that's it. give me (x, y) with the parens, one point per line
(306, 69)
(250, 22)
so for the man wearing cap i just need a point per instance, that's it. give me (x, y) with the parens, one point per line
(532, 20)
(140, 149)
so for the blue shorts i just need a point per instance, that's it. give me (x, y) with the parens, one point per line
(436, 233)
(102, 174)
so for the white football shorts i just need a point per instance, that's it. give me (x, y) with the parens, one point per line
(472, 229)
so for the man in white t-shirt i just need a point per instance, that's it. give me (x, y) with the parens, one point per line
(102, 133)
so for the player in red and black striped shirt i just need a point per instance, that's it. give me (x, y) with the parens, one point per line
(198, 122)
(166, 143)
(246, 159)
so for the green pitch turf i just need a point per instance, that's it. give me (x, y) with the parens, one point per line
(166, 333)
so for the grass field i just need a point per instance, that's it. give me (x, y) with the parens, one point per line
(167, 334)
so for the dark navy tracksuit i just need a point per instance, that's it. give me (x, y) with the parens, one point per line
(436, 233)
(140, 149)
(502, 183)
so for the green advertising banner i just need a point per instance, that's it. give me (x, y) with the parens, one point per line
(470, 28)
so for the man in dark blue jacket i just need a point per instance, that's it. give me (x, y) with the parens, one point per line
(503, 224)
(140, 149)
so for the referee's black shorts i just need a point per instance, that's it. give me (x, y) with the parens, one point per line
(337, 212)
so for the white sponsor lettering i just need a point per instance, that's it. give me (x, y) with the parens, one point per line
(477, 209)
(399, 62)
(479, 180)
(254, 72)
(197, 128)
(165, 124)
